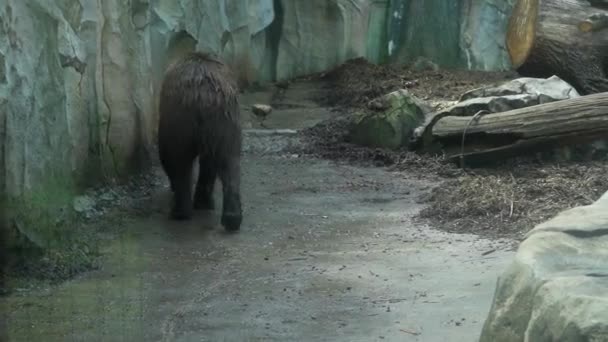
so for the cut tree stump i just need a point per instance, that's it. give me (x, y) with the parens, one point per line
(595, 22)
(567, 38)
(497, 136)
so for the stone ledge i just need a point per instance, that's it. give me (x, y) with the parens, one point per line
(556, 289)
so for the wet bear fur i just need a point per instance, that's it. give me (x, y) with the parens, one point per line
(199, 117)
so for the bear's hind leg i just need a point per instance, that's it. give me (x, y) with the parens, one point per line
(203, 196)
(230, 174)
(182, 193)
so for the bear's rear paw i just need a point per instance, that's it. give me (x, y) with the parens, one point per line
(180, 215)
(232, 222)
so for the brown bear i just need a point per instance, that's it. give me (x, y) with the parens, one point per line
(200, 116)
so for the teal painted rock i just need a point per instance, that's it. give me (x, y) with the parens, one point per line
(452, 34)
(391, 124)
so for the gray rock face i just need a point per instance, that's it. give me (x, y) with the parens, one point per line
(483, 21)
(556, 289)
(319, 34)
(430, 29)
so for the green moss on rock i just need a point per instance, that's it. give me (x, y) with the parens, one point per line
(392, 127)
(43, 234)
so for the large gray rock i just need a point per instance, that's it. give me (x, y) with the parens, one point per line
(556, 289)
(543, 89)
(514, 94)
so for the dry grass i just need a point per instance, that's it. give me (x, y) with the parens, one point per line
(508, 202)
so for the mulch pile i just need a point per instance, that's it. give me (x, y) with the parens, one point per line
(506, 200)
(329, 140)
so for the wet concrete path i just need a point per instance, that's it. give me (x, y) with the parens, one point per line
(327, 252)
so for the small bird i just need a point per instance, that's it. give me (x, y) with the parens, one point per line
(261, 111)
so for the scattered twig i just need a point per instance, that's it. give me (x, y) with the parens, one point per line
(512, 194)
(410, 332)
(479, 259)
(297, 259)
(488, 252)
(392, 301)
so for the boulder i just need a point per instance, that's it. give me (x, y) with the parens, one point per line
(556, 289)
(391, 123)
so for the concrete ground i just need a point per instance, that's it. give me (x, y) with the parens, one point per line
(327, 252)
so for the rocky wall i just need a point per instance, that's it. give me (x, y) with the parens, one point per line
(464, 34)
(317, 35)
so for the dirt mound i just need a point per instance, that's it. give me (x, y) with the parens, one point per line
(358, 81)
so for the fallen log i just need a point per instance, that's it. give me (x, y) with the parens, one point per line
(497, 136)
(567, 38)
